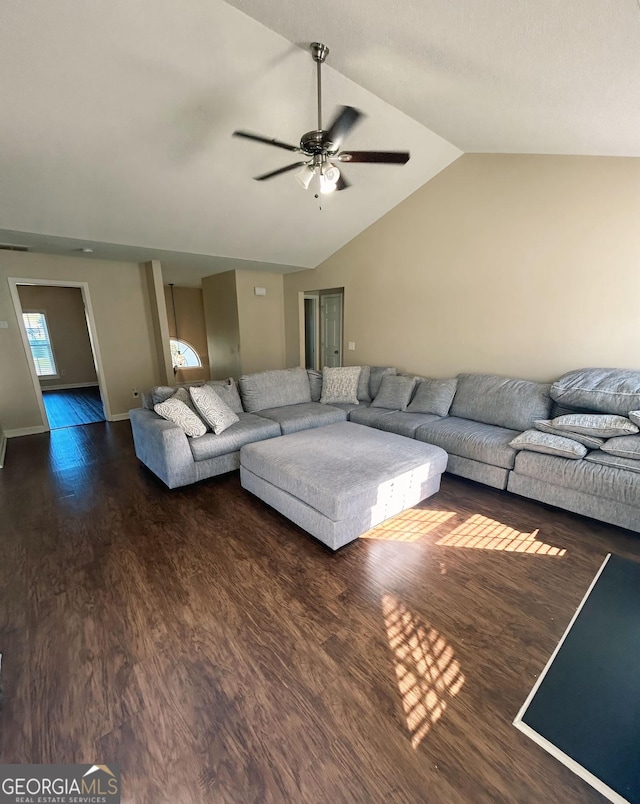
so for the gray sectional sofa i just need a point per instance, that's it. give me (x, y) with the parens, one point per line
(474, 418)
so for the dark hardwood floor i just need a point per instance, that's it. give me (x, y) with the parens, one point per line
(218, 654)
(73, 406)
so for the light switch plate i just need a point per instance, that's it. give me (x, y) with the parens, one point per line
(4, 325)
(352, 346)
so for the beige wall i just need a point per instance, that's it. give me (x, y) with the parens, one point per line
(123, 322)
(191, 328)
(67, 324)
(520, 265)
(245, 332)
(223, 329)
(261, 320)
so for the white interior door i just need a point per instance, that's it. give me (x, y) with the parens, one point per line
(331, 313)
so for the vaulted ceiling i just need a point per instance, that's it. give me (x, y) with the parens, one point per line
(117, 115)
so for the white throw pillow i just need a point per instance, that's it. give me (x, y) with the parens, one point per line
(215, 412)
(173, 410)
(340, 385)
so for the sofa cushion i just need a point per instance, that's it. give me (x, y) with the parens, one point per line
(273, 389)
(623, 446)
(340, 384)
(348, 407)
(393, 421)
(600, 389)
(292, 418)
(549, 444)
(395, 392)
(546, 426)
(212, 410)
(376, 373)
(602, 425)
(433, 396)
(586, 476)
(363, 384)
(634, 416)
(247, 429)
(514, 404)
(469, 439)
(315, 384)
(227, 390)
(630, 464)
(173, 410)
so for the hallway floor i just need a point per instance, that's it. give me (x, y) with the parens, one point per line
(73, 406)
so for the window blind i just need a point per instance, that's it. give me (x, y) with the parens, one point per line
(40, 344)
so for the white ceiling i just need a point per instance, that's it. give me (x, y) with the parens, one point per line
(117, 115)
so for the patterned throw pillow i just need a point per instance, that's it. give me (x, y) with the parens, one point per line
(535, 441)
(227, 390)
(340, 385)
(602, 425)
(395, 392)
(175, 411)
(216, 413)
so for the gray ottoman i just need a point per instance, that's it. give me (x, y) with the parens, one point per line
(339, 481)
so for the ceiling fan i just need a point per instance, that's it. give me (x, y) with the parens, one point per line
(321, 148)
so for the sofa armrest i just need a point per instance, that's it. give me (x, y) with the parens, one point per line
(163, 447)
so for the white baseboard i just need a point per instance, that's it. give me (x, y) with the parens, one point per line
(3, 448)
(23, 431)
(118, 417)
(69, 386)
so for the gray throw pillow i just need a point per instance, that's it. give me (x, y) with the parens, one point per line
(363, 384)
(376, 373)
(433, 396)
(175, 411)
(602, 425)
(635, 417)
(185, 397)
(216, 413)
(160, 393)
(606, 390)
(536, 441)
(591, 442)
(227, 390)
(395, 392)
(604, 459)
(623, 446)
(340, 385)
(315, 383)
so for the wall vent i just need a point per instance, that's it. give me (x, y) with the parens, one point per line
(9, 247)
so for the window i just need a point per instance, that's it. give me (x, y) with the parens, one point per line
(38, 336)
(183, 355)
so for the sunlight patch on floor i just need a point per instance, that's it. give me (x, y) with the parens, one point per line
(482, 533)
(408, 526)
(427, 672)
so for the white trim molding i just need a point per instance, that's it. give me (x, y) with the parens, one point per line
(25, 431)
(118, 417)
(69, 386)
(3, 447)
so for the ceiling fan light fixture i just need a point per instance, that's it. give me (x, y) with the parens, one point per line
(304, 176)
(329, 177)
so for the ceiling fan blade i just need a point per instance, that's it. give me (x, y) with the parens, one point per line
(344, 121)
(342, 183)
(279, 171)
(266, 140)
(381, 157)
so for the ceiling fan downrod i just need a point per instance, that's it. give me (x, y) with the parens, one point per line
(319, 52)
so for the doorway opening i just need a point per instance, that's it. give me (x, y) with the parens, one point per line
(322, 326)
(58, 333)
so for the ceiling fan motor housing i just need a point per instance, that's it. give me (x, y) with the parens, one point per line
(315, 142)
